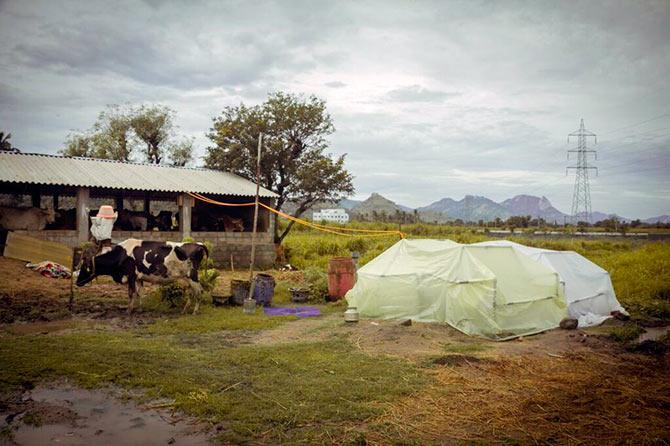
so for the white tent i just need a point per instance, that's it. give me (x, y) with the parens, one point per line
(588, 288)
(496, 291)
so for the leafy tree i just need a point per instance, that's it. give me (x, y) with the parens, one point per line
(119, 132)
(5, 143)
(153, 125)
(181, 153)
(293, 163)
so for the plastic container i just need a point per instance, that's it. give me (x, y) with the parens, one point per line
(240, 290)
(341, 276)
(299, 295)
(351, 315)
(249, 306)
(264, 289)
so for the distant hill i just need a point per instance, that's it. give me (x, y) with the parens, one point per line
(600, 216)
(348, 204)
(470, 208)
(375, 203)
(664, 219)
(536, 207)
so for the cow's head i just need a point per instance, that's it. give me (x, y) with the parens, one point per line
(87, 269)
(50, 215)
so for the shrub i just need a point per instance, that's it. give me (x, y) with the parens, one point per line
(626, 333)
(317, 282)
(172, 294)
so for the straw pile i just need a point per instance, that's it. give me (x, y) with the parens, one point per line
(575, 399)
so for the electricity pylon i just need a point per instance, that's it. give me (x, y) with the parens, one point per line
(581, 198)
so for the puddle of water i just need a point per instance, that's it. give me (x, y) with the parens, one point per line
(653, 333)
(103, 419)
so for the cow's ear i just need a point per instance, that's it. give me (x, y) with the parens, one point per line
(181, 254)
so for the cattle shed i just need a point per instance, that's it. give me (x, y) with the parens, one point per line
(153, 199)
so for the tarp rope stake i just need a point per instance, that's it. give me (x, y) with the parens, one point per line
(318, 227)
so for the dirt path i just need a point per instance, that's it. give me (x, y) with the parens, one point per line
(66, 415)
(419, 340)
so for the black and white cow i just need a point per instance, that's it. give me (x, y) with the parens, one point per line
(135, 261)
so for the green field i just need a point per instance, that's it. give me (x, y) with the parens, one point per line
(640, 270)
(278, 380)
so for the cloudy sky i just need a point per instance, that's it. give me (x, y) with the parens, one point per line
(429, 99)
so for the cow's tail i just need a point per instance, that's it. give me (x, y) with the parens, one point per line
(206, 256)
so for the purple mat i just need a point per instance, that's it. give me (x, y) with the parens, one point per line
(289, 311)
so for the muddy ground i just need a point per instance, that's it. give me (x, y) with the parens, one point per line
(59, 413)
(559, 387)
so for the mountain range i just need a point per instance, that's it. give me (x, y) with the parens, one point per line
(475, 208)
(470, 208)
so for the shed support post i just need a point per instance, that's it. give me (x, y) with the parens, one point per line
(36, 199)
(186, 203)
(82, 214)
(147, 203)
(119, 202)
(55, 200)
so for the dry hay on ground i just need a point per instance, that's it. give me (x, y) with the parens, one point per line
(578, 399)
(26, 295)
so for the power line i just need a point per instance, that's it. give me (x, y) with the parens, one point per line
(638, 123)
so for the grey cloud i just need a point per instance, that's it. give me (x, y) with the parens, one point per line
(524, 74)
(416, 93)
(335, 84)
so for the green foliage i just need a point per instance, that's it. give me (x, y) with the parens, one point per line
(214, 319)
(120, 132)
(208, 274)
(317, 281)
(466, 347)
(640, 271)
(5, 143)
(626, 333)
(294, 163)
(172, 294)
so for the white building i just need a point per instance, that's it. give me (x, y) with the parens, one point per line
(331, 215)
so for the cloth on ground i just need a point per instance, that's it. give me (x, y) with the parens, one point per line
(50, 269)
(297, 311)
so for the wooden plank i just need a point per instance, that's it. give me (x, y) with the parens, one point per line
(35, 250)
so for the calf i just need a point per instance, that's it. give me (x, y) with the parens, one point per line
(161, 222)
(29, 219)
(132, 220)
(232, 224)
(135, 261)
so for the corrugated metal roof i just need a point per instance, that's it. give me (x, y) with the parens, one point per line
(36, 168)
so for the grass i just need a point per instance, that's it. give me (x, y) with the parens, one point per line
(213, 319)
(640, 271)
(282, 393)
(465, 347)
(626, 333)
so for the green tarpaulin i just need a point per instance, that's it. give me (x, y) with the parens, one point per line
(490, 291)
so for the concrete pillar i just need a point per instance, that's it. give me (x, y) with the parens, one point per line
(147, 202)
(82, 214)
(36, 199)
(186, 203)
(119, 202)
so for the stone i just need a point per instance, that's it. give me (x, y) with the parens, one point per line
(568, 324)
